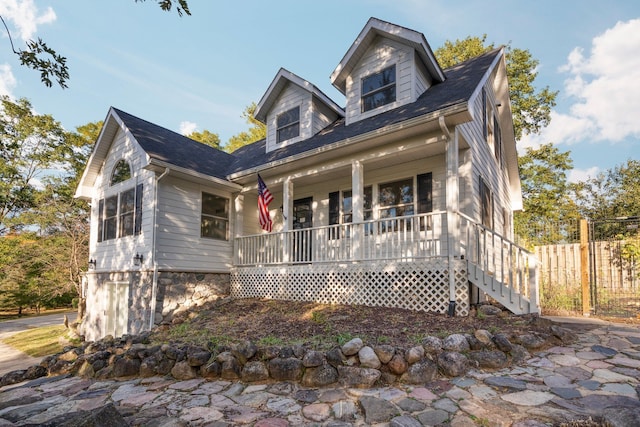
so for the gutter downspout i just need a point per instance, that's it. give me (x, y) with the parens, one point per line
(452, 209)
(154, 284)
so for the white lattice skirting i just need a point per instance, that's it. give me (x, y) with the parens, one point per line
(419, 285)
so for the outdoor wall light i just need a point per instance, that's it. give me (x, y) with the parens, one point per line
(92, 264)
(137, 260)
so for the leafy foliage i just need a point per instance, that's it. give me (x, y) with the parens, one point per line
(166, 5)
(257, 131)
(531, 108)
(546, 192)
(611, 194)
(208, 138)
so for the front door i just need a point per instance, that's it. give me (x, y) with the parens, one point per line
(302, 223)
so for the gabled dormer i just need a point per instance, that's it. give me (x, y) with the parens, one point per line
(294, 110)
(386, 67)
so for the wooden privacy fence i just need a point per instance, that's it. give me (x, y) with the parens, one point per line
(599, 275)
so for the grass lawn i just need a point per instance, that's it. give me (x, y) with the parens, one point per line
(39, 342)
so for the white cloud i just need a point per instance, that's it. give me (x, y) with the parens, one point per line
(25, 17)
(187, 128)
(581, 175)
(605, 87)
(7, 81)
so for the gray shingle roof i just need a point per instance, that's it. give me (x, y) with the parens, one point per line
(173, 148)
(461, 81)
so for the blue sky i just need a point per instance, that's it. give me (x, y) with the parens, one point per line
(201, 71)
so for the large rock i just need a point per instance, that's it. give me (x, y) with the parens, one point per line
(432, 344)
(183, 371)
(384, 352)
(398, 364)
(352, 347)
(377, 410)
(336, 358)
(255, 371)
(101, 417)
(453, 364)
(414, 354)
(492, 359)
(420, 372)
(320, 376)
(313, 358)
(368, 358)
(287, 369)
(125, 367)
(244, 351)
(198, 358)
(502, 342)
(352, 376)
(455, 342)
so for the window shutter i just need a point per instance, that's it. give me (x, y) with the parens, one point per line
(425, 190)
(100, 219)
(485, 129)
(334, 208)
(138, 213)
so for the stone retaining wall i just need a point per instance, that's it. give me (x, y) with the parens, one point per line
(353, 364)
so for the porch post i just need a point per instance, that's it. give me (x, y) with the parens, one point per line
(357, 194)
(238, 224)
(452, 190)
(287, 204)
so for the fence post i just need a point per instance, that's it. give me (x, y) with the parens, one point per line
(584, 266)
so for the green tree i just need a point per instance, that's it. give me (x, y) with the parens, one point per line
(531, 108)
(613, 193)
(208, 138)
(30, 144)
(257, 131)
(52, 66)
(546, 194)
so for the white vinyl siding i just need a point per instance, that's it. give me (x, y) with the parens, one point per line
(484, 164)
(117, 254)
(179, 244)
(382, 54)
(291, 97)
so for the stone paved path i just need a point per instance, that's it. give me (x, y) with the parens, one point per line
(598, 376)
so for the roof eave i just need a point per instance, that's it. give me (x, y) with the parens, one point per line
(456, 109)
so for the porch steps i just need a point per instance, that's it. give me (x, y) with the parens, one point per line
(506, 295)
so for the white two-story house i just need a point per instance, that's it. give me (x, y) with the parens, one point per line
(404, 197)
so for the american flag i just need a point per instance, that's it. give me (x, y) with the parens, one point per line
(264, 198)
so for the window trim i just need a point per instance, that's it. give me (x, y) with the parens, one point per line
(118, 227)
(115, 169)
(204, 215)
(377, 90)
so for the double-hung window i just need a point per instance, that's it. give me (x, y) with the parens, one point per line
(214, 221)
(379, 89)
(288, 125)
(341, 211)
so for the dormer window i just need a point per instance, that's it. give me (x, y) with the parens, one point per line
(379, 89)
(121, 172)
(288, 125)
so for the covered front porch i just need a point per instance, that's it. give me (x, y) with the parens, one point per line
(407, 262)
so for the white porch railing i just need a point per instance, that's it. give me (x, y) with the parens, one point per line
(505, 271)
(401, 238)
(495, 265)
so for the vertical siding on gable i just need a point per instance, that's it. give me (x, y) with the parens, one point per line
(292, 96)
(381, 54)
(179, 244)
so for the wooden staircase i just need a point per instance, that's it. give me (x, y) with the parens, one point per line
(503, 270)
